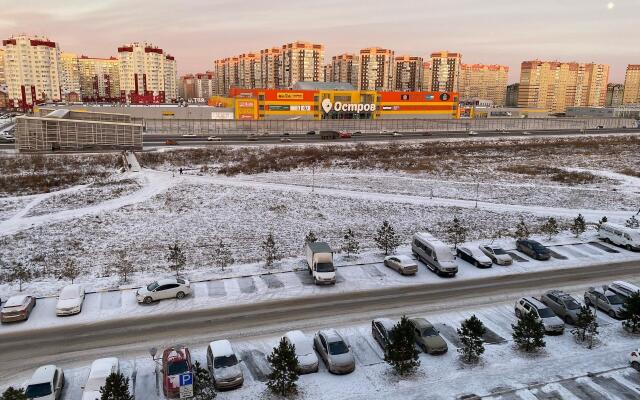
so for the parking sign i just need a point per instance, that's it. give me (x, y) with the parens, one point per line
(186, 385)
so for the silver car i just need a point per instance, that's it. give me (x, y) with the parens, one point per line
(562, 304)
(334, 351)
(550, 321)
(170, 288)
(223, 365)
(607, 301)
(305, 354)
(405, 265)
(496, 254)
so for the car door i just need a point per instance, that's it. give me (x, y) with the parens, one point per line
(160, 292)
(324, 350)
(172, 290)
(57, 385)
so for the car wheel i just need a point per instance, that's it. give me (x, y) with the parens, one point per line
(518, 313)
(180, 295)
(635, 365)
(628, 247)
(148, 300)
(476, 264)
(568, 320)
(612, 314)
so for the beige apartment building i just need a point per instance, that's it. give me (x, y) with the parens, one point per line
(270, 64)
(99, 79)
(2, 78)
(345, 68)
(486, 82)
(301, 62)
(204, 85)
(377, 70)
(147, 74)
(32, 71)
(249, 70)
(70, 77)
(427, 76)
(187, 86)
(632, 85)
(409, 73)
(327, 73)
(445, 71)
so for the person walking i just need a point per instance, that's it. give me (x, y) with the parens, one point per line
(180, 170)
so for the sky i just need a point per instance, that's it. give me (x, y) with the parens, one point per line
(198, 31)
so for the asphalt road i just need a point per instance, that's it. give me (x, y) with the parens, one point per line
(81, 344)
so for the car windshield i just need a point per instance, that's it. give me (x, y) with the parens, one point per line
(571, 304)
(225, 361)
(338, 347)
(153, 286)
(325, 267)
(545, 313)
(445, 256)
(430, 331)
(498, 251)
(177, 367)
(614, 299)
(38, 390)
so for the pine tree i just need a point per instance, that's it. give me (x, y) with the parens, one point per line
(176, 258)
(18, 272)
(528, 333)
(579, 225)
(550, 228)
(401, 352)
(270, 250)
(13, 394)
(351, 244)
(310, 238)
(123, 266)
(522, 230)
(586, 326)
(602, 221)
(457, 232)
(285, 369)
(470, 332)
(116, 388)
(71, 269)
(631, 313)
(203, 387)
(387, 239)
(632, 222)
(222, 257)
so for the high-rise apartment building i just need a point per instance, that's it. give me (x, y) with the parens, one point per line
(219, 76)
(512, 95)
(301, 62)
(345, 68)
(632, 85)
(147, 74)
(409, 73)
(486, 82)
(445, 71)
(327, 73)
(249, 70)
(2, 78)
(32, 71)
(70, 77)
(99, 79)
(270, 65)
(204, 85)
(187, 86)
(615, 94)
(427, 76)
(377, 70)
(557, 85)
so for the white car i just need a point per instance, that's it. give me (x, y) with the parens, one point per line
(472, 133)
(70, 300)
(634, 359)
(164, 289)
(100, 371)
(46, 383)
(526, 133)
(474, 256)
(396, 134)
(496, 254)
(189, 135)
(214, 139)
(404, 264)
(307, 357)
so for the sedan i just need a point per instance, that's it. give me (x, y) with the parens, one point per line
(214, 139)
(427, 336)
(70, 300)
(307, 358)
(17, 308)
(345, 135)
(533, 249)
(472, 133)
(164, 289)
(46, 383)
(285, 140)
(381, 331)
(405, 265)
(334, 351)
(496, 254)
(474, 256)
(100, 371)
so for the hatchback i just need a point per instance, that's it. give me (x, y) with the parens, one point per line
(533, 249)
(334, 351)
(164, 289)
(17, 308)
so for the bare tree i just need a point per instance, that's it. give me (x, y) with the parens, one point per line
(176, 258)
(71, 269)
(123, 266)
(222, 256)
(270, 250)
(17, 272)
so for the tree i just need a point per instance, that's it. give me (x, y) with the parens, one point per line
(528, 333)
(203, 387)
(387, 239)
(18, 272)
(401, 351)
(310, 238)
(550, 228)
(351, 244)
(603, 220)
(176, 258)
(456, 232)
(285, 369)
(116, 388)
(13, 394)
(632, 222)
(123, 266)
(586, 326)
(522, 230)
(270, 250)
(631, 313)
(470, 332)
(579, 225)
(222, 257)
(71, 269)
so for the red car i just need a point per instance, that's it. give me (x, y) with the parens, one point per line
(345, 135)
(175, 361)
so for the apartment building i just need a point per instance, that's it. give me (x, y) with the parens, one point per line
(204, 85)
(249, 70)
(632, 85)
(345, 68)
(99, 79)
(512, 95)
(301, 62)
(270, 65)
(187, 86)
(170, 78)
(615, 95)
(377, 70)
(2, 78)
(409, 74)
(70, 77)
(486, 82)
(445, 71)
(427, 76)
(32, 71)
(147, 74)
(327, 73)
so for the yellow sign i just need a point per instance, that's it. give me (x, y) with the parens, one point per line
(168, 114)
(290, 96)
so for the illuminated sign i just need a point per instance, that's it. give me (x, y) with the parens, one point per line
(245, 104)
(300, 108)
(338, 106)
(428, 97)
(168, 114)
(290, 96)
(279, 108)
(444, 96)
(404, 97)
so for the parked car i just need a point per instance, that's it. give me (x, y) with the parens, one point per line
(100, 371)
(171, 142)
(252, 137)
(472, 133)
(285, 140)
(312, 133)
(223, 365)
(214, 139)
(46, 383)
(550, 321)
(334, 351)
(70, 300)
(381, 331)
(405, 265)
(562, 304)
(175, 361)
(607, 301)
(436, 255)
(427, 337)
(345, 135)
(474, 256)
(17, 308)
(164, 289)
(634, 359)
(307, 358)
(7, 138)
(619, 235)
(189, 135)
(357, 133)
(624, 289)
(533, 249)
(496, 254)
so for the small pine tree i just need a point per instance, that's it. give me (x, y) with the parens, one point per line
(71, 269)
(203, 387)
(522, 230)
(17, 272)
(401, 352)
(386, 238)
(285, 369)
(631, 313)
(123, 266)
(579, 226)
(176, 258)
(602, 221)
(270, 250)
(116, 388)
(528, 333)
(457, 232)
(586, 326)
(632, 222)
(222, 257)
(13, 394)
(550, 228)
(310, 238)
(470, 332)
(351, 244)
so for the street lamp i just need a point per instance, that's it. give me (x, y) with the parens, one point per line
(153, 351)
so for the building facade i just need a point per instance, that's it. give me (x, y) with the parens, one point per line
(480, 81)
(301, 62)
(445, 71)
(512, 95)
(632, 85)
(99, 79)
(70, 77)
(3, 81)
(377, 70)
(187, 87)
(615, 94)
(327, 73)
(409, 74)
(270, 65)
(204, 85)
(147, 74)
(249, 70)
(345, 68)
(427, 76)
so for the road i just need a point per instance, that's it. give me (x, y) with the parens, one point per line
(81, 344)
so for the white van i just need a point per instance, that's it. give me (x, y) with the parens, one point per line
(628, 238)
(624, 289)
(434, 253)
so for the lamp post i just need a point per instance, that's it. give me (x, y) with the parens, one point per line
(153, 351)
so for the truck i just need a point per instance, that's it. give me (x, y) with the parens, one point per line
(329, 135)
(320, 262)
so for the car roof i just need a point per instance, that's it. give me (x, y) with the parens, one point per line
(332, 335)
(296, 336)
(421, 323)
(403, 258)
(167, 281)
(176, 353)
(388, 323)
(535, 302)
(625, 286)
(15, 301)
(71, 289)
(43, 374)
(103, 367)
(221, 347)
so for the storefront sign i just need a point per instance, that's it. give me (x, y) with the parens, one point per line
(444, 96)
(428, 97)
(290, 96)
(300, 108)
(338, 106)
(245, 104)
(279, 108)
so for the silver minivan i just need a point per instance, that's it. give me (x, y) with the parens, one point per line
(224, 365)
(435, 254)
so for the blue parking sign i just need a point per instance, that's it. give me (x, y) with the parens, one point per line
(186, 379)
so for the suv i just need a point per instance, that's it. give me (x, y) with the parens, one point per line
(223, 365)
(533, 249)
(381, 330)
(608, 301)
(624, 289)
(175, 361)
(563, 304)
(551, 323)
(427, 336)
(163, 289)
(46, 383)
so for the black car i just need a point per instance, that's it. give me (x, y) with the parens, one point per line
(380, 330)
(474, 256)
(7, 139)
(311, 133)
(533, 249)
